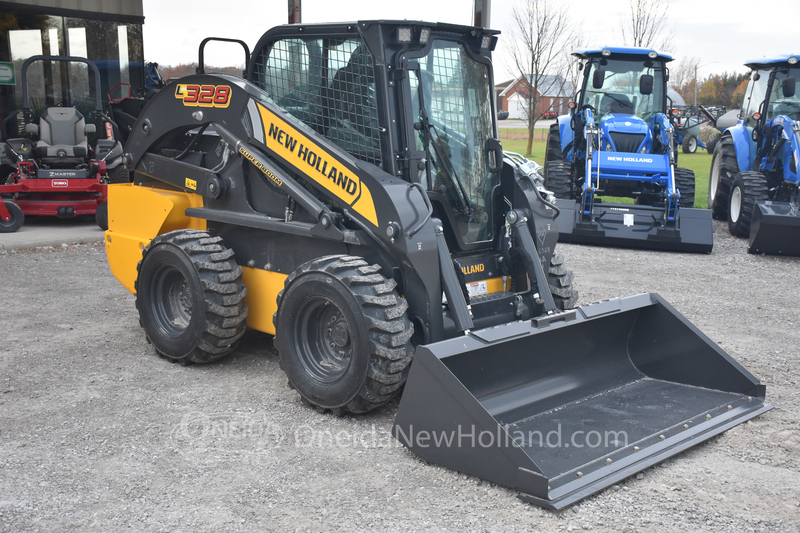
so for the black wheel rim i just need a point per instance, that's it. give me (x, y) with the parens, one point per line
(323, 339)
(172, 300)
(11, 221)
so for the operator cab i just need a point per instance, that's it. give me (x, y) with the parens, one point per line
(774, 85)
(625, 88)
(413, 99)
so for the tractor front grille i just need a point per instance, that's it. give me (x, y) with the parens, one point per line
(627, 142)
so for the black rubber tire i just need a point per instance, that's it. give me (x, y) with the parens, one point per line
(712, 142)
(190, 297)
(119, 174)
(553, 145)
(343, 335)
(17, 218)
(723, 168)
(684, 181)
(553, 149)
(558, 179)
(747, 189)
(560, 280)
(101, 215)
(689, 145)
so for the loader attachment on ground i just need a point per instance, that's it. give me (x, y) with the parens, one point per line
(565, 405)
(775, 229)
(636, 226)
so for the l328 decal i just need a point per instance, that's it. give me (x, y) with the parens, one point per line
(203, 95)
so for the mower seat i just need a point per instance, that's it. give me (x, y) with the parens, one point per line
(62, 137)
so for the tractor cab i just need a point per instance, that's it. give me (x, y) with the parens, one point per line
(439, 129)
(623, 86)
(625, 93)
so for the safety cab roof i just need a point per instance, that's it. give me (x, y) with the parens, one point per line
(621, 52)
(768, 62)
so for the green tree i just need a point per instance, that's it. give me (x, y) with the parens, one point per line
(708, 91)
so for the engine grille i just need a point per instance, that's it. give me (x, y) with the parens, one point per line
(627, 142)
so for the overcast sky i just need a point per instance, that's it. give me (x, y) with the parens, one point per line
(722, 34)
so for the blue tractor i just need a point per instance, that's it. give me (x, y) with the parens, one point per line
(754, 177)
(619, 141)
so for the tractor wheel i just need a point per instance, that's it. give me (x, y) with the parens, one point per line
(712, 142)
(190, 297)
(119, 174)
(689, 145)
(16, 220)
(553, 145)
(558, 178)
(342, 334)
(723, 168)
(684, 181)
(553, 151)
(748, 188)
(560, 280)
(101, 215)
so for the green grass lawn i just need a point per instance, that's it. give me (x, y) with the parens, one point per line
(699, 162)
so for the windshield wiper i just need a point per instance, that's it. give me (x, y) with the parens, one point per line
(614, 97)
(428, 128)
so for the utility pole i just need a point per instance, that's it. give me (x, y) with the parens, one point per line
(481, 13)
(295, 12)
(695, 78)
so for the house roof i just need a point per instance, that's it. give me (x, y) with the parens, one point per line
(504, 85)
(550, 85)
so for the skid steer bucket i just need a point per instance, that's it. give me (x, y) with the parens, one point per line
(775, 229)
(562, 406)
(636, 226)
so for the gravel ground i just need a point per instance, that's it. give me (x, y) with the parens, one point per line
(99, 434)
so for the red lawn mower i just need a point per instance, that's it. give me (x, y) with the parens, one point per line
(61, 174)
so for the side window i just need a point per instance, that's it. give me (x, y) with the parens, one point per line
(756, 95)
(291, 73)
(329, 85)
(781, 104)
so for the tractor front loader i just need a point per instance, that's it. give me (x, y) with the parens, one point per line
(351, 198)
(618, 141)
(754, 181)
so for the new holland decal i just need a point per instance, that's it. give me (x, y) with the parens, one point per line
(194, 95)
(317, 164)
(472, 269)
